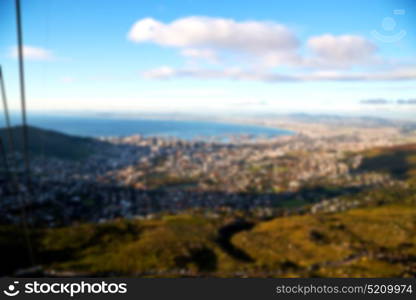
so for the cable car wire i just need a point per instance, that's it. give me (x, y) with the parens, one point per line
(6, 112)
(22, 91)
(25, 133)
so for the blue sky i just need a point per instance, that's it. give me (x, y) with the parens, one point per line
(213, 56)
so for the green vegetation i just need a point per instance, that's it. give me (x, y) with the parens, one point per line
(162, 246)
(372, 241)
(50, 143)
(399, 161)
(376, 241)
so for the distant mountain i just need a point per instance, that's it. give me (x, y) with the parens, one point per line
(50, 143)
(363, 121)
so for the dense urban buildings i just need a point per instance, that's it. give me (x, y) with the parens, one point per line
(138, 177)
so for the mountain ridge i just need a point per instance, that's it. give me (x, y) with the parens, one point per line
(49, 143)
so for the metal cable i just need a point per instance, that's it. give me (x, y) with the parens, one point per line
(4, 155)
(25, 133)
(22, 90)
(6, 112)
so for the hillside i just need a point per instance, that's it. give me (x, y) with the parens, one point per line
(50, 143)
(374, 241)
(370, 242)
(398, 161)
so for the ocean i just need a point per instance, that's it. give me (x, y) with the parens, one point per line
(93, 126)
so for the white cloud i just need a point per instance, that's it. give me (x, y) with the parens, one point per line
(206, 32)
(252, 50)
(267, 44)
(205, 54)
(230, 73)
(241, 74)
(343, 50)
(33, 53)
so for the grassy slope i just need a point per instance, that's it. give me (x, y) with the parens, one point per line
(375, 241)
(136, 247)
(378, 241)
